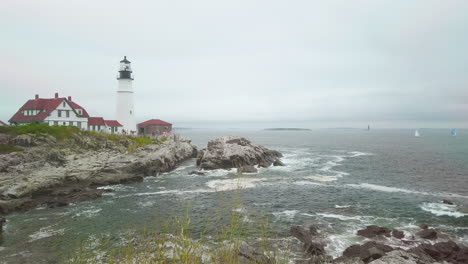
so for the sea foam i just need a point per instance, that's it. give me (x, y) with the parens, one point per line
(440, 209)
(381, 188)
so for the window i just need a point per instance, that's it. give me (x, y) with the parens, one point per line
(59, 113)
(64, 123)
(78, 124)
(68, 113)
(63, 103)
(55, 123)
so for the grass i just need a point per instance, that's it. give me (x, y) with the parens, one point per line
(59, 132)
(174, 241)
(62, 133)
(5, 149)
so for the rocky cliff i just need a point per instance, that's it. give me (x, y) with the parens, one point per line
(236, 152)
(56, 172)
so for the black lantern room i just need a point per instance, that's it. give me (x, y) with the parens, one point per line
(125, 71)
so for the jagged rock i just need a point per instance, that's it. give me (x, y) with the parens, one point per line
(253, 254)
(247, 169)
(311, 248)
(375, 231)
(278, 163)
(2, 221)
(343, 260)
(428, 234)
(367, 252)
(234, 152)
(4, 139)
(199, 173)
(24, 175)
(443, 251)
(401, 257)
(447, 202)
(24, 140)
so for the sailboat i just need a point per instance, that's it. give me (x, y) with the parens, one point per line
(453, 132)
(416, 133)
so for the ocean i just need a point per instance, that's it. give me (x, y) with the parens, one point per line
(338, 180)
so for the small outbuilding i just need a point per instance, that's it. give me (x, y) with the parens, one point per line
(154, 127)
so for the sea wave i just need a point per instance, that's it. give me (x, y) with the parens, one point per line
(382, 188)
(340, 217)
(287, 214)
(45, 232)
(440, 209)
(321, 178)
(234, 184)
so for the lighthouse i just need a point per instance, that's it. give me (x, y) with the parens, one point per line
(125, 106)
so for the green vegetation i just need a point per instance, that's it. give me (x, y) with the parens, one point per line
(62, 133)
(174, 240)
(5, 149)
(59, 132)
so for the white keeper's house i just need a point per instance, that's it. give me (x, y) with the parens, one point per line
(61, 111)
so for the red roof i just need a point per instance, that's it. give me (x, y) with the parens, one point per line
(155, 122)
(3, 123)
(113, 123)
(77, 106)
(42, 104)
(48, 105)
(96, 121)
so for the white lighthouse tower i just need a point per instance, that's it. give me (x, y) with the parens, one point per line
(125, 107)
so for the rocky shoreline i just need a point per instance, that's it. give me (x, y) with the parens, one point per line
(384, 245)
(52, 173)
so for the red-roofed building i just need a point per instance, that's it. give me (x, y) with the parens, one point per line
(3, 123)
(58, 111)
(154, 127)
(114, 126)
(97, 124)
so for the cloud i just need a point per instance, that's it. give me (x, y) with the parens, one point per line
(256, 61)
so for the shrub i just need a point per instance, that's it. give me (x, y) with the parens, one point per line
(5, 149)
(59, 132)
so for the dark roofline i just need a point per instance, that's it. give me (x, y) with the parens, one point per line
(125, 60)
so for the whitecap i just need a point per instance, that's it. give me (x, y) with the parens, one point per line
(342, 206)
(301, 183)
(287, 214)
(340, 217)
(440, 209)
(89, 213)
(358, 153)
(45, 232)
(234, 184)
(381, 188)
(321, 178)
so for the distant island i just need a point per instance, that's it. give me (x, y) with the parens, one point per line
(287, 128)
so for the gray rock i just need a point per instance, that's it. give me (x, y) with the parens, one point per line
(199, 173)
(367, 252)
(311, 247)
(278, 163)
(401, 257)
(235, 152)
(24, 140)
(427, 234)
(253, 254)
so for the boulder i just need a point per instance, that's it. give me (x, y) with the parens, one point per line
(447, 202)
(252, 254)
(367, 252)
(24, 140)
(235, 152)
(401, 257)
(2, 221)
(247, 169)
(199, 173)
(278, 163)
(311, 248)
(373, 231)
(427, 234)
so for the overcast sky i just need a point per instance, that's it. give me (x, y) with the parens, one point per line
(244, 62)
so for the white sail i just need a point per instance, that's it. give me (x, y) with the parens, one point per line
(416, 133)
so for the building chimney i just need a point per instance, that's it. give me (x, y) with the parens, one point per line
(56, 95)
(37, 97)
(69, 98)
